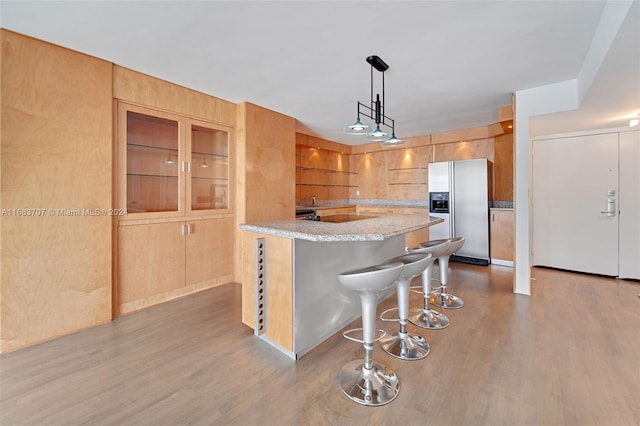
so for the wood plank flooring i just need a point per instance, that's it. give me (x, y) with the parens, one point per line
(567, 355)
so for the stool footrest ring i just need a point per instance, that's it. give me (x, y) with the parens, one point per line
(389, 319)
(416, 289)
(353, 339)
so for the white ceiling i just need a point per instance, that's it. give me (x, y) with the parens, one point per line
(452, 63)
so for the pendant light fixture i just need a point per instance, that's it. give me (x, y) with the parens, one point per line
(375, 111)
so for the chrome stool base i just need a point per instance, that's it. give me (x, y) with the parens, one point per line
(429, 319)
(446, 301)
(405, 346)
(374, 387)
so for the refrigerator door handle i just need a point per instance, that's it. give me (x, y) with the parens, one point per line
(452, 199)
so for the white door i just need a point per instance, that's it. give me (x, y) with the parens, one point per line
(574, 179)
(630, 205)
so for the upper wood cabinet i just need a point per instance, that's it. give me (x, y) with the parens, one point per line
(171, 165)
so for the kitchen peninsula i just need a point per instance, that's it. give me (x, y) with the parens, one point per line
(291, 296)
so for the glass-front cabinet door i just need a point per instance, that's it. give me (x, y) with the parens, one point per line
(152, 150)
(170, 165)
(209, 167)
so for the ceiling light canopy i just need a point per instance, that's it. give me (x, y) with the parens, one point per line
(375, 111)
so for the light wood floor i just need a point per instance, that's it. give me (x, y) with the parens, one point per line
(567, 355)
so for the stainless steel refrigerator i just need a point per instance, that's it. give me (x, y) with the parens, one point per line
(459, 193)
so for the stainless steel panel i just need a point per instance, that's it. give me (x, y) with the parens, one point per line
(471, 207)
(439, 176)
(322, 305)
(441, 230)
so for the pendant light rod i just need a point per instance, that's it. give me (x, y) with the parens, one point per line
(376, 62)
(369, 112)
(375, 110)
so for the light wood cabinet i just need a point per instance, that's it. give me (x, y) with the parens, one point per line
(170, 165)
(379, 210)
(501, 236)
(175, 184)
(413, 239)
(150, 263)
(161, 261)
(209, 259)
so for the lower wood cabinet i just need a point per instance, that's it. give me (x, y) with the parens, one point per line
(162, 261)
(413, 239)
(336, 210)
(501, 236)
(379, 210)
(209, 252)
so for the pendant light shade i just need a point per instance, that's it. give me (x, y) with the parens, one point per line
(358, 128)
(378, 135)
(393, 141)
(375, 111)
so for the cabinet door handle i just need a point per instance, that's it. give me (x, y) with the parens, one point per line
(189, 229)
(182, 230)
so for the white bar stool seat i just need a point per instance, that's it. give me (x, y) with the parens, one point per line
(365, 381)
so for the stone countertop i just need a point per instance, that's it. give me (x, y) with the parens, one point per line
(374, 229)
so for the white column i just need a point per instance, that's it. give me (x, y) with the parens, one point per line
(528, 103)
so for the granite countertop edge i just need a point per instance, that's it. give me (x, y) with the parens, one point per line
(375, 229)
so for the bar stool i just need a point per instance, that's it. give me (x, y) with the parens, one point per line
(365, 381)
(402, 344)
(440, 297)
(426, 317)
